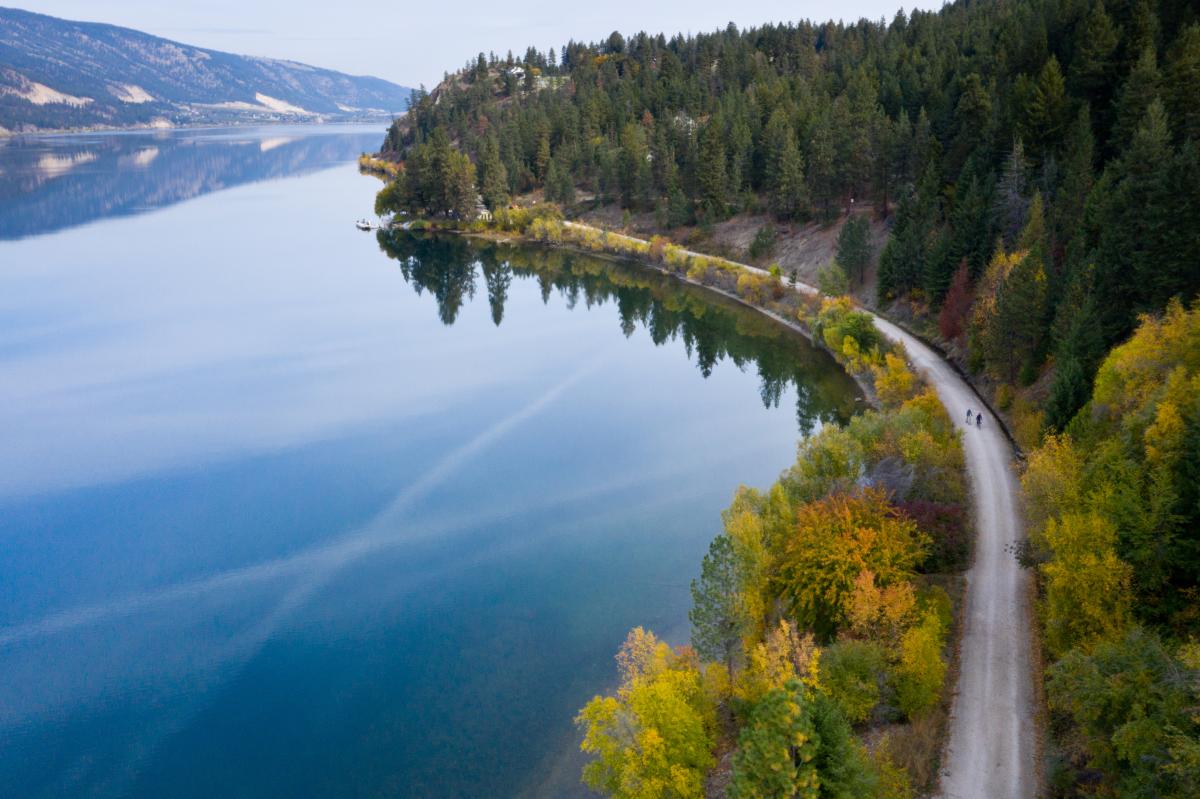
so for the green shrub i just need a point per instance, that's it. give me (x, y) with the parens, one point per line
(832, 280)
(852, 673)
(921, 671)
(763, 243)
(519, 219)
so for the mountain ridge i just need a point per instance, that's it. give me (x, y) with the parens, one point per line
(64, 74)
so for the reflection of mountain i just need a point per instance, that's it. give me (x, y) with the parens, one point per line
(49, 184)
(712, 329)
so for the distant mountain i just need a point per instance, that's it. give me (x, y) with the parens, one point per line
(56, 73)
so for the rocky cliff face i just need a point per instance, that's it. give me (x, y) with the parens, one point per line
(56, 73)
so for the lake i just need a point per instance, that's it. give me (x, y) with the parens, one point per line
(289, 509)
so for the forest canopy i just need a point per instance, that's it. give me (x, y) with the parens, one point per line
(1047, 149)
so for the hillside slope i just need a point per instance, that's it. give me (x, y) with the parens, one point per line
(1067, 131)
(56, 73)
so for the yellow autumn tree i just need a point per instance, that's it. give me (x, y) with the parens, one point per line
(1135, 372)
(894, 382)
(654, 738)
(744, 525)
(1053, 482)
(782, 656)
(1087, 586)
(921, 671)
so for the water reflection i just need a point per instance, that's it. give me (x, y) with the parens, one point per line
(57, 182)
(712, 329)
(260, 497)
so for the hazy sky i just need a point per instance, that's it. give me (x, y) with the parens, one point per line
(412, 43)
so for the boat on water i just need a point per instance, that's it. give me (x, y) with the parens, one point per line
(362, 224)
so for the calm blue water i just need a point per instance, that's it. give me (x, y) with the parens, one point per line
(287, 509)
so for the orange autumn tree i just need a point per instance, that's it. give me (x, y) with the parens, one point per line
(837, 539)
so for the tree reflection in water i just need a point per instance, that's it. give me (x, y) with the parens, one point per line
(712, 328)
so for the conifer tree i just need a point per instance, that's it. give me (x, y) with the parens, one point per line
(1094, 65)
(1045, 112)
(1183, 83)
(718, 614)
(1079, 155)
(854, 247)
(542, 158)
(822, 170)
(1132, 252)
(1140, 89)
(789, 192)
(973, 117)
(1011, 200)
(971, 222)
(777, 747)
(635, 174)
(493, 177)
(712, 175)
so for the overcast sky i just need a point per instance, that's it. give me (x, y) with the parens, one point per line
(413, 43)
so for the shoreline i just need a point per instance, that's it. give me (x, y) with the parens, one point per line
(993, 661)
(804, 290)
(793, 326)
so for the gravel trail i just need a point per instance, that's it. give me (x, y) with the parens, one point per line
(992, 751)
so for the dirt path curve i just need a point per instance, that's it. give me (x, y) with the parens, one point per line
(992, 748)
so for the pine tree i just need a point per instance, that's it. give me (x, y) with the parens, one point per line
(718, 614)
(1140, 89)
(553, 181)
(1132, 250)
(854, 247)
(973, 118)
(1011, 201)
(1182, 234)
(1007, 328)
(789, 192)
(458, 182)
(822, 171)
(1046, 112)
(1077, 354)
(1033, 236)
(1143, 28)
(493, 177)
(712, 175)
(938, 268)
(971, 222)
(1183, 83)
(541, 160)
(902, 256)
(634, 167)
(886, 144)
(777, 747)
(741, 155)
(1094, 65)
(1079, 155)
(564, 190)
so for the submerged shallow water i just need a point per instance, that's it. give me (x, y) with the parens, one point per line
(287, 509)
